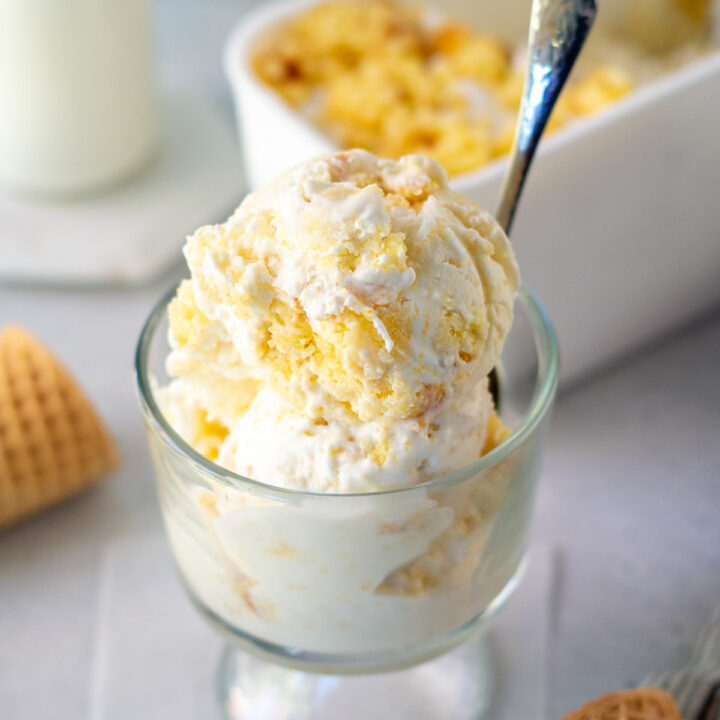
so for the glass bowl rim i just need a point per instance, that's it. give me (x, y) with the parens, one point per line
(541, 402)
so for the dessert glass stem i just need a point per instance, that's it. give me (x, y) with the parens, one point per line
(558, 29)
(457, 684)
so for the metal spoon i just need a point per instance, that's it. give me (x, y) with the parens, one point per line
(558, 29)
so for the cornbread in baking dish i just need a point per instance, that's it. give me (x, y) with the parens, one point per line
(396, 79)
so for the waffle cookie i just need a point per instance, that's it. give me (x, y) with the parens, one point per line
(52, 443)
(644, 703)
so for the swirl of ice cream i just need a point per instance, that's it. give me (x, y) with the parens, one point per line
(337, 330)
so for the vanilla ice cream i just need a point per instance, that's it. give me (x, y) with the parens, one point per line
(338, 329)
(335, 336)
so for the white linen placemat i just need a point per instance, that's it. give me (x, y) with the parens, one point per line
(155, 658)
(131, 232)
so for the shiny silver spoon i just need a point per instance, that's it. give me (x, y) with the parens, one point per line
(558, 29)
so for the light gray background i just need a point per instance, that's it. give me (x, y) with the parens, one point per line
(630, 491)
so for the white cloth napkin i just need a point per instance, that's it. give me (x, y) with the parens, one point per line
(131, 232)
(156, 658)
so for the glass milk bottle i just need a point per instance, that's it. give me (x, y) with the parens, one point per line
(77, 94)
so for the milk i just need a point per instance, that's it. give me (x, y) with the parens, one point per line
(77, 95)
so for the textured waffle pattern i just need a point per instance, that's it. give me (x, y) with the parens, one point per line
(52, 443)
(638, 704)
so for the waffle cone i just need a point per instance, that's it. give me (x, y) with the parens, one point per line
(52, 443)
(645, 703)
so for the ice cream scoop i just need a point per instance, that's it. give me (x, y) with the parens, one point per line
(338, 329)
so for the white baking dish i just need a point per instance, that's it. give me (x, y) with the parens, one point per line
(619, 227)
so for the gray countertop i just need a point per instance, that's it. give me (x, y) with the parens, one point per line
(630, 491)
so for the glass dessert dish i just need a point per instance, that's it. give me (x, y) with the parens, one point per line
(350, 605)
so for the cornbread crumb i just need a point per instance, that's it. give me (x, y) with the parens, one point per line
(497, 432)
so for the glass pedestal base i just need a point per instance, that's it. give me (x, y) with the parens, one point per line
(454, 686)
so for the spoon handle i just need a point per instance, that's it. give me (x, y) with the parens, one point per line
(558, 29)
